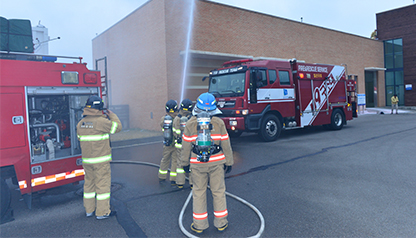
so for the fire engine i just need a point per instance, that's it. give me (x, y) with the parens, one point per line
(41, 103)
(271, 95)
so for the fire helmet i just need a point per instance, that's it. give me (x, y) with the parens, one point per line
(186, 105)
(171, 106)
(95, 102)
(206, 102)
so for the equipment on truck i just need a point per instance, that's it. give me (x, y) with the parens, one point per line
(41, 103)
(268, 96)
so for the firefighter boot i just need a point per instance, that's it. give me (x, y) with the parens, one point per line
(112, 213)
(221, 229)
(199, 231)
(90, 214)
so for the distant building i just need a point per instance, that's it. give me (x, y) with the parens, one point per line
(397, 30)
(40, 39)
(146, 51)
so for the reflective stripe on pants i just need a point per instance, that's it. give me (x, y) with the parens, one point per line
(97, 185)
(169, 156)
(200, 177)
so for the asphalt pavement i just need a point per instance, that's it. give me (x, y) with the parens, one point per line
(355, 182)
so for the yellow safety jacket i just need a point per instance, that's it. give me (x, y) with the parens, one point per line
(394, 100)
(94, 135)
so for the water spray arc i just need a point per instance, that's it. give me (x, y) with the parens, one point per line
(188, 42)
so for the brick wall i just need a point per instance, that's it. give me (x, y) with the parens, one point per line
(401, 23)
(136, 51)
(145, 63)
(221, 28)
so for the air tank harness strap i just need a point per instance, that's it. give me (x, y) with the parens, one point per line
(205, 151)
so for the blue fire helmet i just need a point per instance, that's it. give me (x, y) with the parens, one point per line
(206, 102)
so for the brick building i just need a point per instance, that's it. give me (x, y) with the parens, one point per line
(397, 29)
(146, 52)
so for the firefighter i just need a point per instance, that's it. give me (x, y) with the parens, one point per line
(179, 123)
(206, 150)
(169, 150)
(94, 135)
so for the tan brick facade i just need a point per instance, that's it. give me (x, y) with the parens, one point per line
(145, 51)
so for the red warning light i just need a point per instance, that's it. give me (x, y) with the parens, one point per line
(301, 75)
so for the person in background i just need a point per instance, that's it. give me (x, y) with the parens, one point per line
(169, 150)
(206, 150)
(394, 103)
(93, 132)
(179, 123)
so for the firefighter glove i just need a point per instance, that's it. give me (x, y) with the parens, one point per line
(227, 168)
(186, 168)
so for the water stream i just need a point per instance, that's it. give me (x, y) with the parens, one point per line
(188, 42)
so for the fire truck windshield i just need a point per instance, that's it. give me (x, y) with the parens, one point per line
(228, 84)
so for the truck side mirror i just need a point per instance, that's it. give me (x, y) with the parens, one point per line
(203, 79)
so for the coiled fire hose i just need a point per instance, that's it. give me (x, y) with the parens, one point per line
(184, 231)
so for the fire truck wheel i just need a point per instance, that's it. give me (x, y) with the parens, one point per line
(270, 128)
(5, 197)
(235, 134)
(337, 119)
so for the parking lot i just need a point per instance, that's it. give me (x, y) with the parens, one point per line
(359, 181)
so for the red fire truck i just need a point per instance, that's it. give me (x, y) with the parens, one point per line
(267, 96)
(41, 103)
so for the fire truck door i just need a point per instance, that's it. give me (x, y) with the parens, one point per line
(12, 120)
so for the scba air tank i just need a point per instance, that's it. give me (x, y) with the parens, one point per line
(203, 140)
(167, 130)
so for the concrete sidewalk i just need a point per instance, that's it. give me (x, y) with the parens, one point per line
(386, 110)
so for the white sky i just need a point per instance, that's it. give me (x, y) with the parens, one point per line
(77, 22)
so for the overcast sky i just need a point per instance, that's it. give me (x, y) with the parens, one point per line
(77, 22)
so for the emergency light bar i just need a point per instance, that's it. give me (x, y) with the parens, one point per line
(34, 57)
(235, 62)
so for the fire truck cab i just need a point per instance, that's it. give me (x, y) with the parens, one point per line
(268, 96)
(41, 103)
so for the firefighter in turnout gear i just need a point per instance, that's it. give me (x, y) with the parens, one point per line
(179, 123)
(206, 151)
(169, 151)
(94, 135)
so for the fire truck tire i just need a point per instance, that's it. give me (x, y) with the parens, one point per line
(337, 119)
(5, 198)
(235, 134)
(270, 128)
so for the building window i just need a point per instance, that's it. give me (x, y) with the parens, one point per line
(393, 62)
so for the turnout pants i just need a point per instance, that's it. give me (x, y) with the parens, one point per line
(200, 177)
(180, 179)
(169, 155)
(97, 187)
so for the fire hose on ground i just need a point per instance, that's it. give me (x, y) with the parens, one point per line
(184, 231)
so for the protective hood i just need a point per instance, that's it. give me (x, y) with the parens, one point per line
(196, 110)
